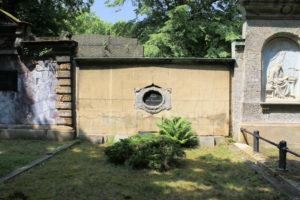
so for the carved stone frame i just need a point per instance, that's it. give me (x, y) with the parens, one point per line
(276, 37)
(164, 105)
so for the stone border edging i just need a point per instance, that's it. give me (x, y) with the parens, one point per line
(257, 162)
(38, 161)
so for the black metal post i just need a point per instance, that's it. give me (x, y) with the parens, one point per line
(256, 141)
(282, 155)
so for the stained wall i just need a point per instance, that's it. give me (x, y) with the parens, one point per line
(106, 98)
(34, 102)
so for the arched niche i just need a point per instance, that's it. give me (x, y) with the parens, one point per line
(281, 70)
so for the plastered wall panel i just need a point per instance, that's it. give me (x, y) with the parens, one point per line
(199, 93)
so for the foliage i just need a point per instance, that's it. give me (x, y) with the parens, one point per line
(88, 23)
(189, 28)
(145, 151)
(34, 54)
(47, 16)
(179, 130)
(230, 140)
(123, 29)
(120, 151)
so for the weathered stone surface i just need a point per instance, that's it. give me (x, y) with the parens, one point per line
(220, 140)
(65, 113)
(65, 66)
(63, 90)
(206, 141)
(35, 126)
(62, 59)
(65, 98)
(271, 9)
(35, 101)
(22, 134)
(91, 45)
(60, 135)
(64, 82)
(63, 74)
(64, 105)
(251, 77)
(64, 121)
(95, 139)
(106, 101)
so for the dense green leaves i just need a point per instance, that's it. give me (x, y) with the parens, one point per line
(47, 16)
(170, 28)
(123, 29)
(88, 23)
(186, 28)
(179, 130)
(156, 152)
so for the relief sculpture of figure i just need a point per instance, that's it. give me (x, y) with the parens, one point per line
(278, 84)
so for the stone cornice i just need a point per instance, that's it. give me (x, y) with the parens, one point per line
(271, 9)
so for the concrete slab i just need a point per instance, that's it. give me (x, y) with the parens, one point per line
(206, 141)
(60, 135)
(22, 134)
(119, 137)
(220, 140)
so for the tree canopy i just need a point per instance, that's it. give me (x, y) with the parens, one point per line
(170, 28)
(89, 23)
(47, 16)
(177, 28)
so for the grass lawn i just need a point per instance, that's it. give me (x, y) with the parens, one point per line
(17, 153)
(83, 172)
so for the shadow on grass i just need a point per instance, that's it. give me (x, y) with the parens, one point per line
(18, 153)
(83, 172)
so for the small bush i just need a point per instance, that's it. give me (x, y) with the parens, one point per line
(146, 151)
(179, 130)
(119, 152)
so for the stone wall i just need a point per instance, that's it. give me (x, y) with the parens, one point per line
(39, 106)
(91, 45)
(108, 92)
(34, 102)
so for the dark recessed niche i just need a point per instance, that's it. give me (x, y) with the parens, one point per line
(8, 81)
(152, 98)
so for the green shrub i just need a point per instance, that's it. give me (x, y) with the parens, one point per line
(119, 152)
(179, 130)
(146, 151)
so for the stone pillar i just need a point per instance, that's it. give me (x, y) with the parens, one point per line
(265, 22)
(60, 52)
(64, 91)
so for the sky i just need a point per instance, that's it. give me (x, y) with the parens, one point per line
(125, 12)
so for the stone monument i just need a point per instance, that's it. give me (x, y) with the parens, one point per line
(266, 82)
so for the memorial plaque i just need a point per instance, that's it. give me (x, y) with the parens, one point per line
(8, 81)
(152, 98)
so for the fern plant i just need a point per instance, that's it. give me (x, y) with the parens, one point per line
(179, 130)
